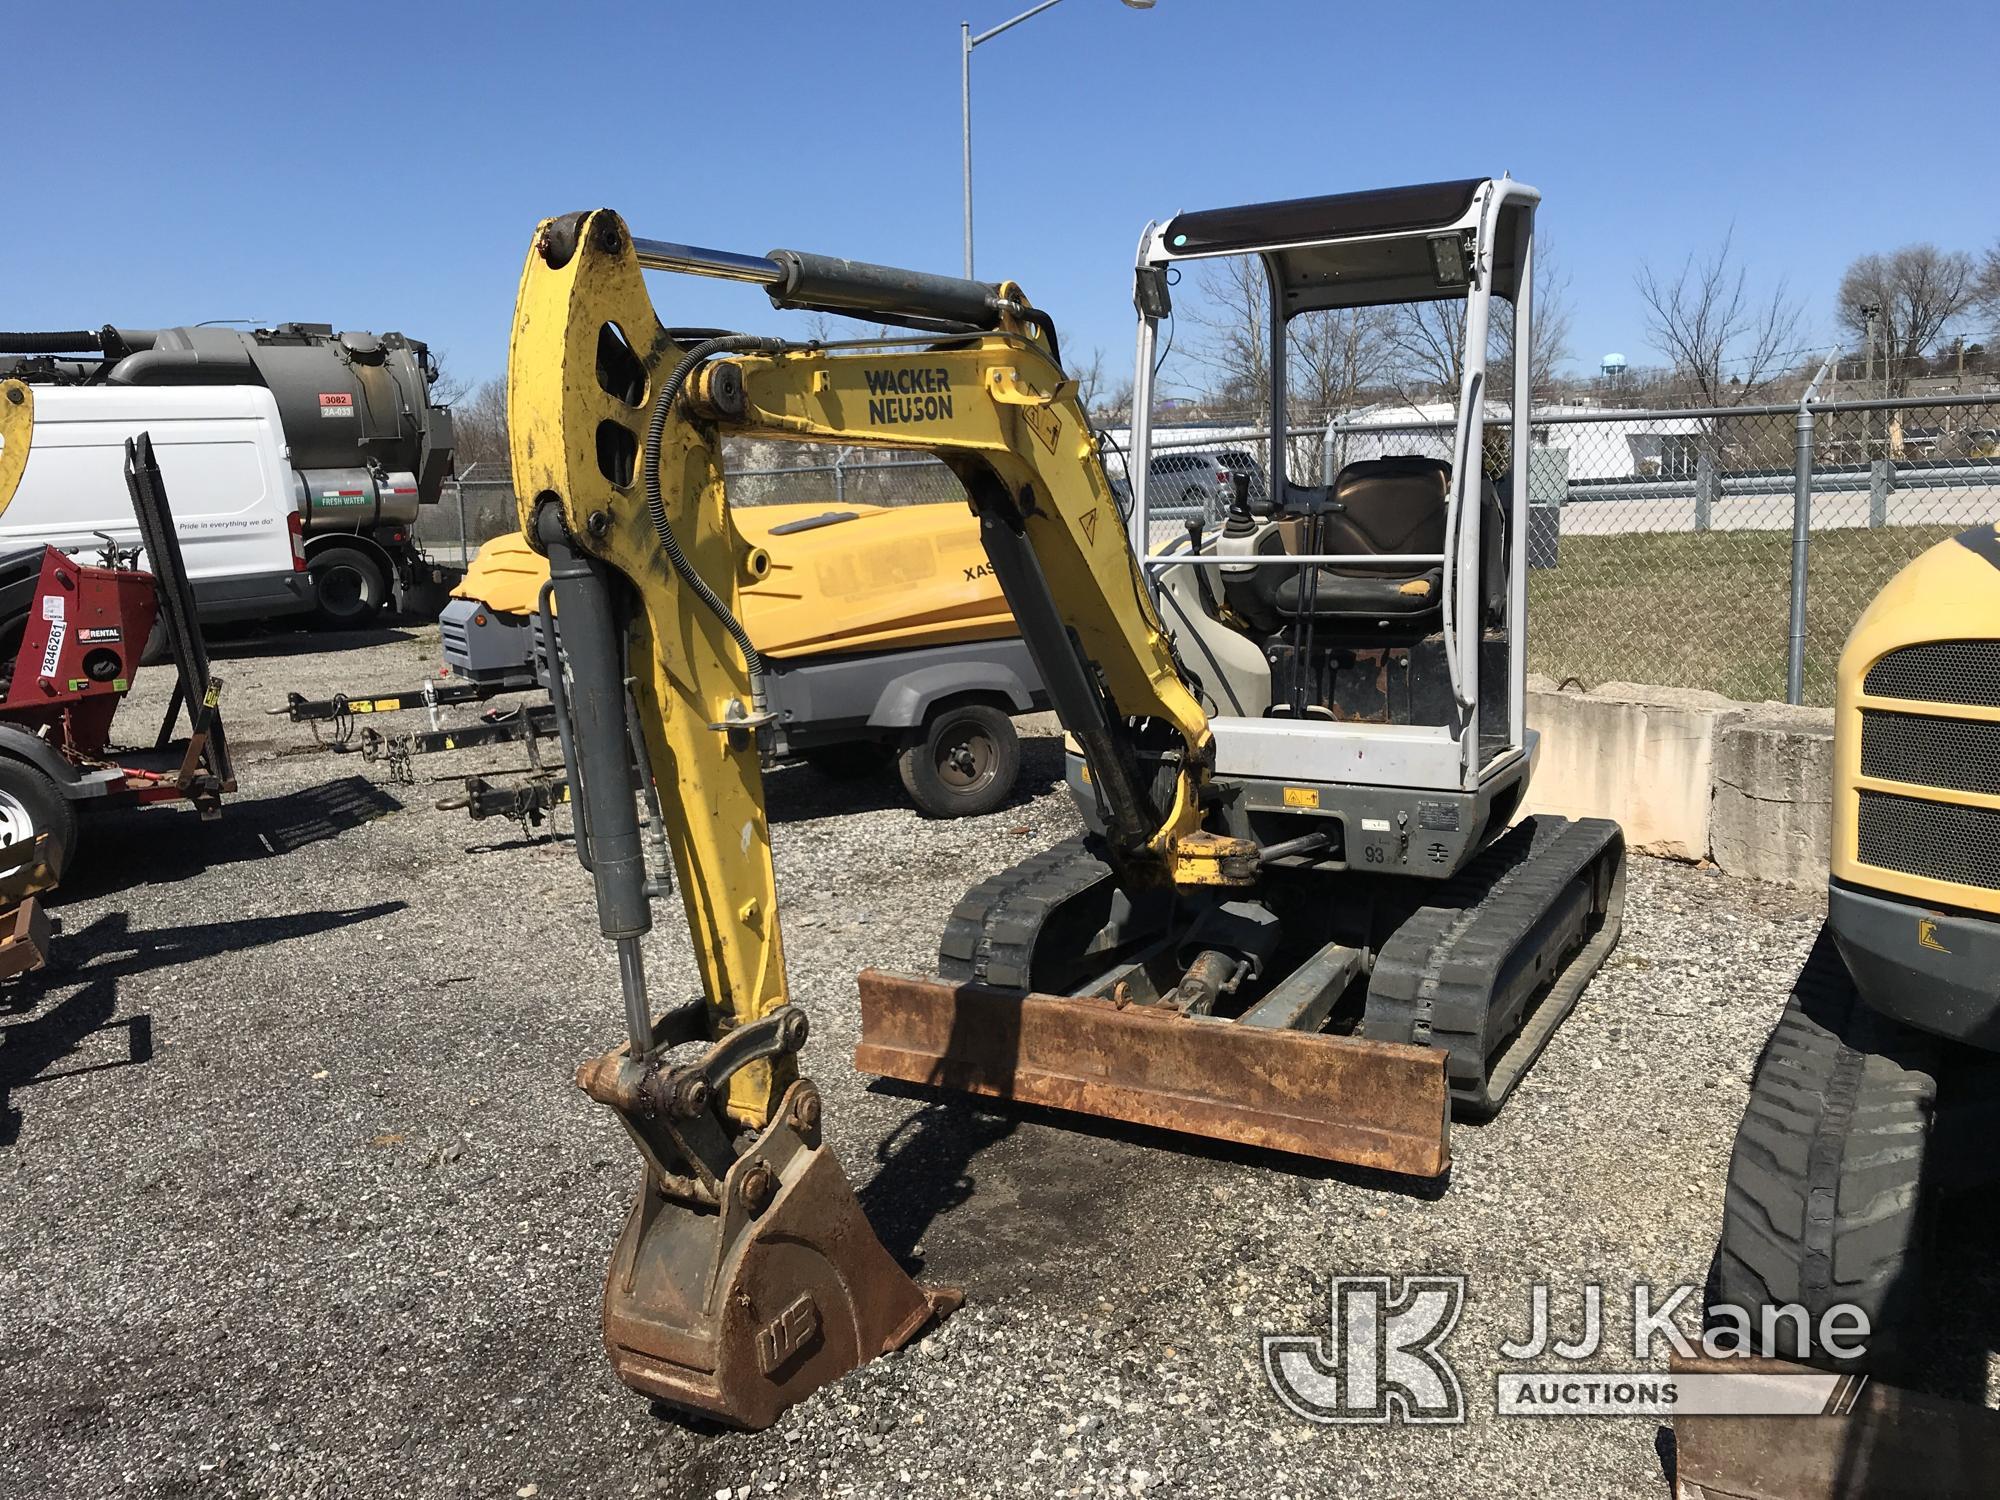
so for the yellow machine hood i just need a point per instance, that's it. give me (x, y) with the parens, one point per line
(877, 578)
(1950, 593)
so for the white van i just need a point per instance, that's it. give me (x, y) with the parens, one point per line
(229, 483)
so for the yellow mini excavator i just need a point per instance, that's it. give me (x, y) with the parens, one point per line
(1306, 916)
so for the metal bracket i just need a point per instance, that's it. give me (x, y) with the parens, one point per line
(1008, 388)
(737, 717)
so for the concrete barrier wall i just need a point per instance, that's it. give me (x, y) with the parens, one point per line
(1690, 775)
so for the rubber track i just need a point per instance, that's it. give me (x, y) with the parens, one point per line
(1434, 979)
(991, 934)
(1826, 1183)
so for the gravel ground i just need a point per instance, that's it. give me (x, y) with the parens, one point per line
(343, 1231)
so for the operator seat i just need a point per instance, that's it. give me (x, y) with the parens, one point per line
(1384, 507)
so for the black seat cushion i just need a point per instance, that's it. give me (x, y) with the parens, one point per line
(1385, 506)
(1376, 596)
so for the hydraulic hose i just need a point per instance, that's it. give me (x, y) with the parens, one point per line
(72, 342)
(1034, 317)
(656, 505)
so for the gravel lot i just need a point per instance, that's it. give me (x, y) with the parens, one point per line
(343, 1232)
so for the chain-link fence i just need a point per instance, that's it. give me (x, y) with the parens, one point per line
(1664, 546)
(1661, 543)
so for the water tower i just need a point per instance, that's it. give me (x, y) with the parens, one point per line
(1613, 368)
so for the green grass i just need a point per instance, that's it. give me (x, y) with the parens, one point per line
(1681, 609)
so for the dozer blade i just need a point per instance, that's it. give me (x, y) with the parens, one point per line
(1373, 1104)
(739, 1308)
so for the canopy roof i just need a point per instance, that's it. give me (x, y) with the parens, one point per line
(1356, 249)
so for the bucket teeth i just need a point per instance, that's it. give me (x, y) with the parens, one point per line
(738, 1307)
(1374, 1104)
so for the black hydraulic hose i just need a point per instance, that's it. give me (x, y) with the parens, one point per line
(1034, 317)
(73, 342)
(656, 505)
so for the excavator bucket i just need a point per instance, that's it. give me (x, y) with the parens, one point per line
(740, 1312)
(1373, 1104)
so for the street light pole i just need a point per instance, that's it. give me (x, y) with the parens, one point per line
(967, 41)
(965, 102)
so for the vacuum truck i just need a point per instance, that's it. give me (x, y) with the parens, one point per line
(366, 445)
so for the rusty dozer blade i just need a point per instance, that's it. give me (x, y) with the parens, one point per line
(1373, 1104)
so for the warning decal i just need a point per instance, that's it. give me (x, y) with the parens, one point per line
(1088, 521)
(336, 404)
(1044, 423)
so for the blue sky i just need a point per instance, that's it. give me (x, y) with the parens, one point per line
(383, 166)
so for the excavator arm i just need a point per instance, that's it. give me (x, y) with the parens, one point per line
(747, 1275)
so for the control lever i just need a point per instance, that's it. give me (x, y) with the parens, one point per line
(1241, 504)
(1202, 580)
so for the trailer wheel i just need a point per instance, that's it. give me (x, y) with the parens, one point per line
(963, 762)
(30, 804)
(1826, 1190)
(350, 587)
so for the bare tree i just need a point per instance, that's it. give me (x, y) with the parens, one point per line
(1989, 286)
(1089, 377)
(1722, 341)
(1331, 358)
(450, 386)
(1114, 409)
(1429, 341)
(1429, 337)
(1233, 314)
(479, 427)
(1918, 291)
(1551, 317)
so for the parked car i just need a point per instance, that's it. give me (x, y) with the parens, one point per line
(1180, 481)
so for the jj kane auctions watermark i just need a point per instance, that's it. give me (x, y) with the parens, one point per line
(1383, 1356)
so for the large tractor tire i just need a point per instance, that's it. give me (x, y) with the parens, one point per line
(963, 762)
(350, 586)
(1826, 1190)
(30, 804)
